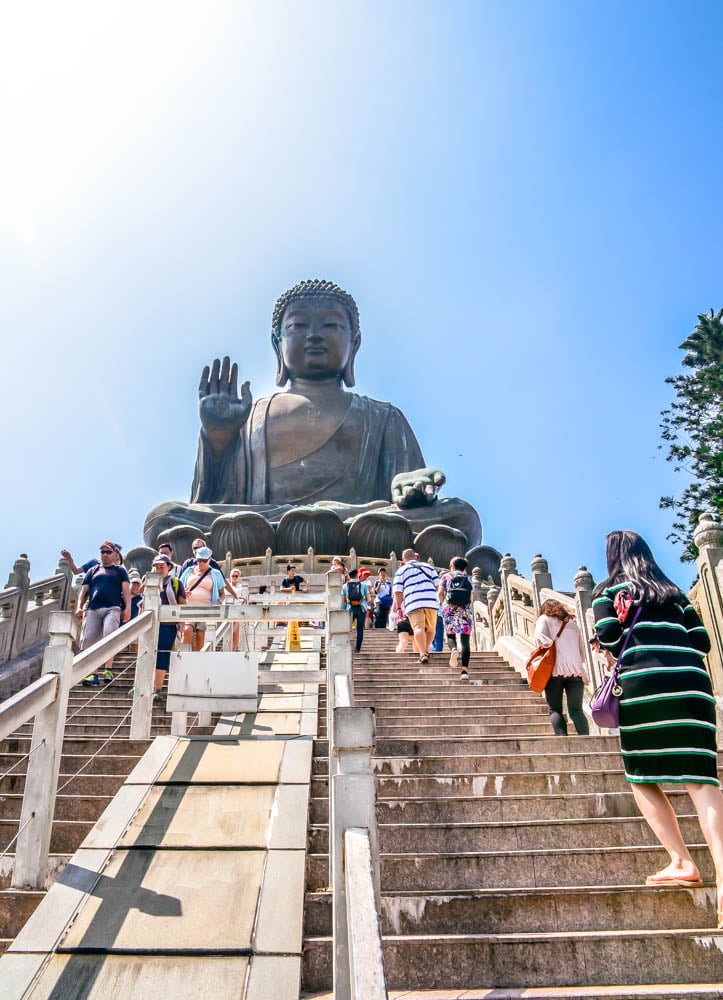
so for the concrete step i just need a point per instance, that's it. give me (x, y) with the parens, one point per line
(502, 808)
(463, 728)
(469, 695)
(655, 991)
(470, 785)
(21, 745)
(67, 807)
(491, 911)
(15, 907)
(520, 835)
(510, 808)
(493, 764)
(83, 784)
(65, 838)
(446, 714)
(470, 745)
(452, 872)
(514, 961)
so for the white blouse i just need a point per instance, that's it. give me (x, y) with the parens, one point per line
(570, 652)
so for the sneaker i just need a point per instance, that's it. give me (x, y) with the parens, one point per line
(463, 674)
(91, 681)
(157, 697)
(107, 676)
(454, 659)
(424, 658)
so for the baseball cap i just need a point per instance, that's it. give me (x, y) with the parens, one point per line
(162, 559)
(204, 553)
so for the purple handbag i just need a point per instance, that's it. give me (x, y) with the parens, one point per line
(605, 702)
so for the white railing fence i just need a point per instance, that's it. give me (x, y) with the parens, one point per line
(353, 837)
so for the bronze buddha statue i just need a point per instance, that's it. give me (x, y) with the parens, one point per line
(315, 449)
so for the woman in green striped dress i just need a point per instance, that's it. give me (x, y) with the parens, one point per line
(667, 709)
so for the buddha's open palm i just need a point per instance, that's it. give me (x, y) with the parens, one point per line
(221, 409)
(418, 487)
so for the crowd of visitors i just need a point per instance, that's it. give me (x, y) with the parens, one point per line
(666, 704)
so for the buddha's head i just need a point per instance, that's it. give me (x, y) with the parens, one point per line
(315, 333)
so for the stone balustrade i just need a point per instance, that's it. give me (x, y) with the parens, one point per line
(505, 615)
(25, 607)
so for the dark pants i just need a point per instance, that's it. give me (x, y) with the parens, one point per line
(574, 687)
(464, 643)
(438, 642)
(358, 615)
(166, 638)
(381, 616)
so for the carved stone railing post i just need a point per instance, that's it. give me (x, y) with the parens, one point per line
(20, 578)
(309, 563)
(492, 594)
(268, 563)
(146, 663)
(476, 598)
(541, 577)
(508, 566)
(584, 584)
(46, 748)
(67, 596)
(393, 564)
(352, 559)
(708, 537)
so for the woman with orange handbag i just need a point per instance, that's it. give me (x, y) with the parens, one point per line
(556, 624)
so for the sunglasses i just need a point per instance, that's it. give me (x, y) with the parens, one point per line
(106, 552)
(203, 560)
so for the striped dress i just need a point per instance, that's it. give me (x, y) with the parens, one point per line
(667, 709)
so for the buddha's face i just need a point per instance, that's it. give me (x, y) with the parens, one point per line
(316, 338)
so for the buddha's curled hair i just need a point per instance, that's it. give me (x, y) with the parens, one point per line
(315, 288)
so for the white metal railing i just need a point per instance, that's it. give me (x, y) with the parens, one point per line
(353, 835)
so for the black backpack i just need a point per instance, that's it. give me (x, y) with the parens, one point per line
(354, 593)
(459, 591)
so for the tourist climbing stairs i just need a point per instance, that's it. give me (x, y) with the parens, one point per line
(97, 758)
(513, 862)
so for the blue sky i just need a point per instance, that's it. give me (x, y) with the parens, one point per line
(524, 199)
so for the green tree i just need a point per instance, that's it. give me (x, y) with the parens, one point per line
(692, 430)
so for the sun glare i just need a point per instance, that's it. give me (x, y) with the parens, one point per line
(79, 83)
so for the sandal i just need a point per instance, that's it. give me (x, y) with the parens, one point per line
(663, 881)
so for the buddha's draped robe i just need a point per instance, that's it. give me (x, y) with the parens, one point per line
(350, 473)
(354, 466)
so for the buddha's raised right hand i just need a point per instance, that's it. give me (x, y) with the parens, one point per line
(223, 414)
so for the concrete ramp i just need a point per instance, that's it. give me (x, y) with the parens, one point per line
(191, 884)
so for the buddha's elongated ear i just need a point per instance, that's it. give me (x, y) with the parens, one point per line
(347, 375)
(282, 372)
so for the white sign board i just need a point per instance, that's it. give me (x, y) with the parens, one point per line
(213, 682)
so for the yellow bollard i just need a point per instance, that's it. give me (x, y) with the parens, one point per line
(293, 637)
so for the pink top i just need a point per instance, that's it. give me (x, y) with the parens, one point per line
(203, 593)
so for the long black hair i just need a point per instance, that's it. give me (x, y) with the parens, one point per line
(630, 561)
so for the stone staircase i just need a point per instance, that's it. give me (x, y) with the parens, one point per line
(97, 757)
(513, 861)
